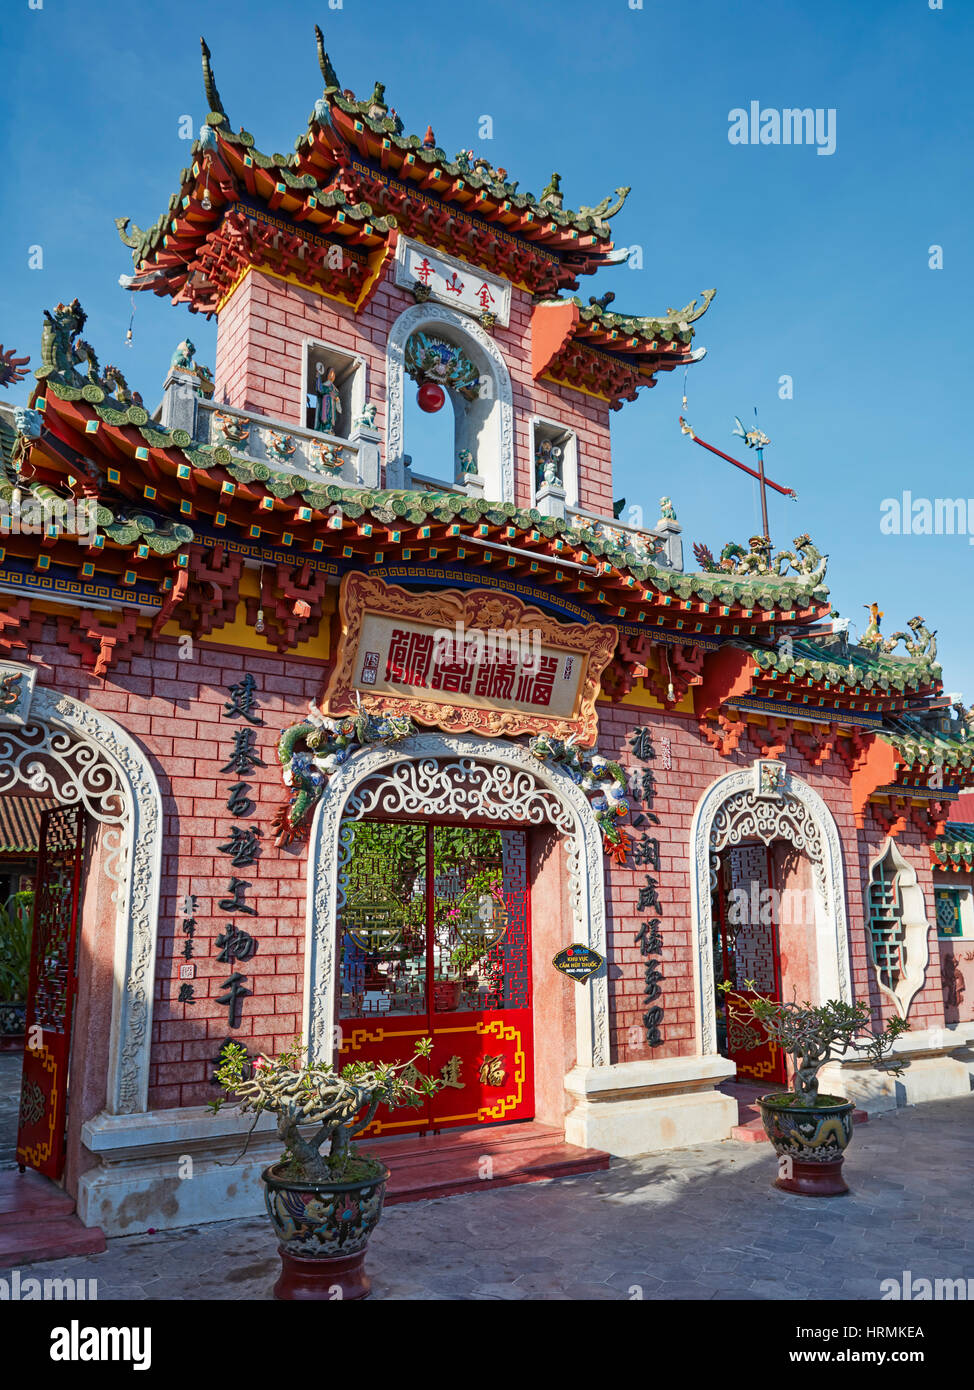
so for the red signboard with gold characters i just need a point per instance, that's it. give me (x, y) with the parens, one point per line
(477, 661)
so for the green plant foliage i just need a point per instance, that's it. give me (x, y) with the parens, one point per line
(16, 920)
(812, 1034)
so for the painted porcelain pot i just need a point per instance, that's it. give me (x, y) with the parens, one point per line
(810, 1142)
(323, 1230)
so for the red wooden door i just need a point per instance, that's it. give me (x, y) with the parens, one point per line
(50, 999)
(749, 951)
(435, 941)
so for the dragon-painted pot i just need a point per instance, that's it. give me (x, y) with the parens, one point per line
(323, 1229)
(810, 1141)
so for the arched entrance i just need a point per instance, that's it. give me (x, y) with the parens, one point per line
(56, 747)
(485, 426)
(743, 816)
(488, 785)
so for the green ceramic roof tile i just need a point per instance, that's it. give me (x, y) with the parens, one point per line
(856, 666)
(918, 745)
(956, 845)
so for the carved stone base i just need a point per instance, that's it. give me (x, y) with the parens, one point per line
(322, 1280)
(633, 1108)
(814, 1179)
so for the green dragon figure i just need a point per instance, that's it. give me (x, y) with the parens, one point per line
(62, 348)
(607, 208)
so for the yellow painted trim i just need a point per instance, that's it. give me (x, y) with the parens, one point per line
(378, 261)
(288, 280)
(239, 633)
(570, 385)
(233, 289)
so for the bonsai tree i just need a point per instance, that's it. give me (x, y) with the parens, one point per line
(811, 1033)
(338, 1105)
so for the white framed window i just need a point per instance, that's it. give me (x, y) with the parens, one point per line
(334, 388)
(551, 441)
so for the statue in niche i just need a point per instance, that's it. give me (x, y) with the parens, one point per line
(328, 404)
(547, 463)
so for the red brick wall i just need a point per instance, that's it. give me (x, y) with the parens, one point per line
(259, 368)
(695, 765)
(174, 709)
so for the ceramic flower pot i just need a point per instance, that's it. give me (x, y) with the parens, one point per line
(323, 1229)
(446, 995)
(13, 1020)
(810, 1142)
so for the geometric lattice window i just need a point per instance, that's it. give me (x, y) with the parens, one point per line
(885, 925)
(948, 912)
(898, 927)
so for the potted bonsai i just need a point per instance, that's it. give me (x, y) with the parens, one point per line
(16, 924)
(810, 1132)
(323, 1206)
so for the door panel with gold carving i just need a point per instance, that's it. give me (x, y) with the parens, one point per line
(434, 941)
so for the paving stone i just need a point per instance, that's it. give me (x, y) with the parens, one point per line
(702, 1223)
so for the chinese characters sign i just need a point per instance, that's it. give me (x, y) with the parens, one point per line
(452, 282)
(472, 660)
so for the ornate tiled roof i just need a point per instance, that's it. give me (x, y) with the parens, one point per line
(948, 751)
(20, 822)
(801, 659)
(955, 847)
(356, 180)
(209, 467)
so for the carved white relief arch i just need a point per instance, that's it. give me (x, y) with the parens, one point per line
(69, 750)
(731, 811)
(436, 775)
(489, 420)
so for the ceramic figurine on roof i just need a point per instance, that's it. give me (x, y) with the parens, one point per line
(183, 355)
(551, 195)
(12, 369)
(61, 346)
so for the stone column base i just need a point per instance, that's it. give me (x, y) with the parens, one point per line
(168, 1168)
(634, 1108)
(930, 1072)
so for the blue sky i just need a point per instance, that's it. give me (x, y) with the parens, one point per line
(820, 262)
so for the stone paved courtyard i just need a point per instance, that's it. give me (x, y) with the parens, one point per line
(697, 1223)
(11, 1066)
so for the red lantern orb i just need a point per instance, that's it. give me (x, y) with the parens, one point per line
(430, 397)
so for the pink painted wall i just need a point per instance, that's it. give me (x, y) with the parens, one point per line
(174, 709)
(259, 368)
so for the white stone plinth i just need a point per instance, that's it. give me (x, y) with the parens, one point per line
(634, 1108)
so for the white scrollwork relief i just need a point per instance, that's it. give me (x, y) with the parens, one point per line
(730, 813)
(81, 756)
(494, 791)
(461, 776)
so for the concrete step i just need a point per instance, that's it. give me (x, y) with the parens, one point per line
(31, 1197)
(48, 1240)
(38, 1222)
(476, 1160)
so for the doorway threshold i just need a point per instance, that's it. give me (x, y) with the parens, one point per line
(478, 1159)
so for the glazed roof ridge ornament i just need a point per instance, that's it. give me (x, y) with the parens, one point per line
(214, 104)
